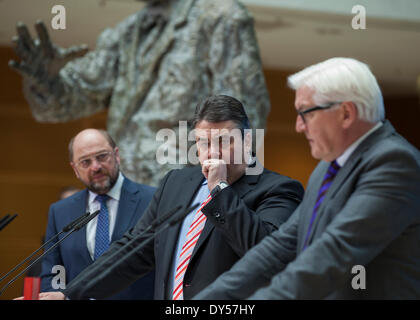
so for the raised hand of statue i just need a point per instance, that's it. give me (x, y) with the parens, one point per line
(40, 58)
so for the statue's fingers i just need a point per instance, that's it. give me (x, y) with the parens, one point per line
(44, 38)
(76, 51)
(25, 37)
(20, 49)
(20, 67)
(15, 44)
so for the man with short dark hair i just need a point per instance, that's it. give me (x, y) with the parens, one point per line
(95, 160)
(356, 233)
(237, 211)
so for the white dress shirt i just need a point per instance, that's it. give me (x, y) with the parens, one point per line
(94, 205)
(346, 154)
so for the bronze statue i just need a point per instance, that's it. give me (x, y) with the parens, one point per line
(150, 70)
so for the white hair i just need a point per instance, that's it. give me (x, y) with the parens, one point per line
(343, 79)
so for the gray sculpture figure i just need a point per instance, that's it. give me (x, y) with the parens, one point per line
(151, 70)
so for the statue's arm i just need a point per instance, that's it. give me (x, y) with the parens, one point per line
(64, 84)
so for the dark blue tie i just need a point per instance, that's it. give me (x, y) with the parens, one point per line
(102, 227)
(326, 183)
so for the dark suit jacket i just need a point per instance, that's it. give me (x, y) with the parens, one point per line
(370, 216)
(238, 217)
(73, 254)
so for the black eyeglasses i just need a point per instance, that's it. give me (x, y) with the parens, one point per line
(327, 106)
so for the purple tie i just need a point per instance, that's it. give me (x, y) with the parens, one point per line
(328, 178)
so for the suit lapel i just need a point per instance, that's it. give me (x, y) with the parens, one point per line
(129, 198)
(311, 195)
(338, 181)
(190, 186)
(356, 157)
(79, 207)
(242, 187)
(343, 174)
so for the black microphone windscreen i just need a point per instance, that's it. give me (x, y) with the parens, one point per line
(86, 220)
(72, 224)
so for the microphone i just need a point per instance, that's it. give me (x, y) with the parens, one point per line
(71, 225)
(67, 228)
(6, 220)
(157, 223)
(84, 222)
(125, 255)
(78, 224)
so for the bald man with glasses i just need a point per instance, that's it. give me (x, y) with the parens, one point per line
(95, 160)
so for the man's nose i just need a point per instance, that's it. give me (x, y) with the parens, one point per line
(214, 151)
(300, 124)
(96, 165)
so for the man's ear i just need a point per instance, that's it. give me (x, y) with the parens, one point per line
(117, 155)
(349, 114)
(75, 170)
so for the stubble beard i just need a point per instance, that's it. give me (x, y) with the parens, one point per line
(105, 186)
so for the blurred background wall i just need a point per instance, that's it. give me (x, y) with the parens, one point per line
(292, 34)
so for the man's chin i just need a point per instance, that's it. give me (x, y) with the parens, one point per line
(100, 188)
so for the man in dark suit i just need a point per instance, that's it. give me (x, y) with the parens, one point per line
(238, 210)
(95, 160)
(356, 233)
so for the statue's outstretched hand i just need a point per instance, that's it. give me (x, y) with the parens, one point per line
(40, 58)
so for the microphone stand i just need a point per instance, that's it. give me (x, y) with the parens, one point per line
(6, 220)
(67, 228)
(81, 223)
(155, 224)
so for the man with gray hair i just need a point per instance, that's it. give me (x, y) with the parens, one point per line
(356, 233)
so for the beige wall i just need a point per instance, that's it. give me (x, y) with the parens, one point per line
(34, 166)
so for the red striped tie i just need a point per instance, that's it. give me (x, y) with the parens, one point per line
(187, 249)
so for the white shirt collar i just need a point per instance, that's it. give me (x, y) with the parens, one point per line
(115, 191)
(341, 160)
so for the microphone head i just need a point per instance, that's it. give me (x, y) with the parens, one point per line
(72, 224)
(6, 220)
(86, 220)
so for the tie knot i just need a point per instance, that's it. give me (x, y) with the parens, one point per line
(334, 167)
(102, 198)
